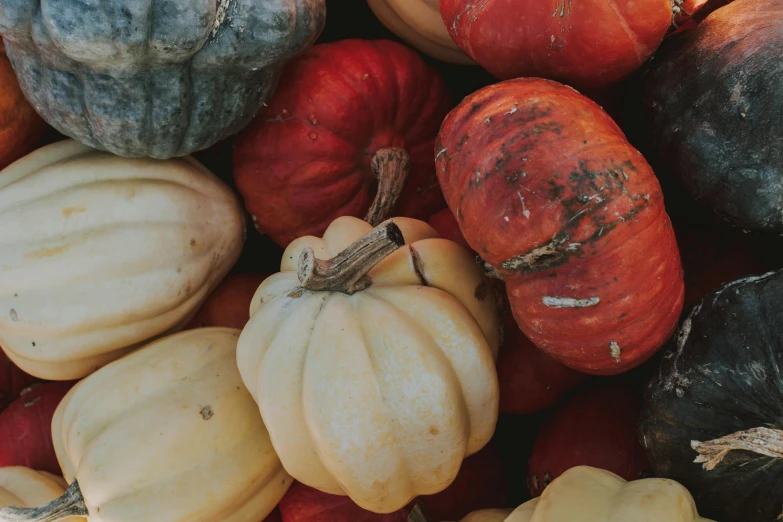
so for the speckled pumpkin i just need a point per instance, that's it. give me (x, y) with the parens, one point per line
(160, 78)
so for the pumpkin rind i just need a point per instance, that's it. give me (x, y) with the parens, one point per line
(589, 44)
(722, 376)
(100, 254)
(24, 487)
(419, 23)
(548, 191)
(379, 395)
(20, 125)
(715, 101)
(593, 495)
(305, 159)
(173, 424)
(162, 78)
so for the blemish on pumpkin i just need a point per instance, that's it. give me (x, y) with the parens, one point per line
(313, 119)
(366, 76)
(569, 302)
(14, 316)
(434, 430)
(313, 136)
(614, 349)
(67, 212)
(206, 412)
(296, 293)
(32, 401)
(481, 291)
(418, 267)
(46, 252)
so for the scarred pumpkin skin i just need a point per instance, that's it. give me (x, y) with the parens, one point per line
(26, 427)
(590, 43)
(547, 189)
(715, 103)
(305, 159)
(159, 78)
(20, 125)
(12, 380)
(229, 304)
(596, 428)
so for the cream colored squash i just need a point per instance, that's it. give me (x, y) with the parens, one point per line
(374, 386)
(100, 254)
(586, 494)
(419, 23)
(169, 434)
(24, 487)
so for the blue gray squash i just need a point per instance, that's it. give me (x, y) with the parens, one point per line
(159, 78)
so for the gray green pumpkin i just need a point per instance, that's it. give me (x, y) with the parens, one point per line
(158, 78)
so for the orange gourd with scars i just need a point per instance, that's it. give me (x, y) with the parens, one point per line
(547, 189)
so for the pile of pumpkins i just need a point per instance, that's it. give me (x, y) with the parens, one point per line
(440, 266)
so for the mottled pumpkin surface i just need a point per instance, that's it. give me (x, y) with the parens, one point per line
(548, 191)
(160, 78)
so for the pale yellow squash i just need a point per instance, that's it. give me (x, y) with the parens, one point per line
(419, 23)
(100, 254)
(382, 393)
(24, 487)
(169, 434)
(586, 494)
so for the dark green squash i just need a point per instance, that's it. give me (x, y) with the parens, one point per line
(714, 95)
(159, 78)
(720, 388)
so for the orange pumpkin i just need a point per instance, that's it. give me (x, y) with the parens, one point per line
(20, 125)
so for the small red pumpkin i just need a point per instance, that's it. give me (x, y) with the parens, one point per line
(26, 427)
(12, 381)
(587, 43)
(229, 304)
(530, 380)
(349, 131)
(596, 428)
(479, 484)
(445, 224)
(20, 125)
(547, 189)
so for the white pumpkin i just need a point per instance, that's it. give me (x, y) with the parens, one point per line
(27, 488)
(167, 434)
(375, 380)
(587, 494)
(419, 23)
(100, 254)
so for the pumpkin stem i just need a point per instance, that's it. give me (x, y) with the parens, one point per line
(390, 167)
(70, 504)
(418, 514)
(764, 441)
(347, 271)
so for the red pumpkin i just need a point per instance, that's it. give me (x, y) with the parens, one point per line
(549, 192)
(229, 304)
(479, 484)
(596, 428)
(347, 122)
(588, 43)
(447, 227)
(20, 125)
(530, 380)
(26, 427)
(274, 516)
(12, 381)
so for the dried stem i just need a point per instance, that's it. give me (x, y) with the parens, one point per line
(418, 514)
(70, 504)
(390, 167)
(764, 441)
(347, 271)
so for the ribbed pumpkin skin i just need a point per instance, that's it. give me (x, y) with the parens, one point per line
(100, 253)
(20, 125)
(170, 434)
(25, 487)
(587, 43)
(305, 160)
(547, 190)
(160, 78)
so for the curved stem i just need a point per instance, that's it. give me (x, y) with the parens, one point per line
(764, 441)
(390, 167)
(347, 271)
(70, 504)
